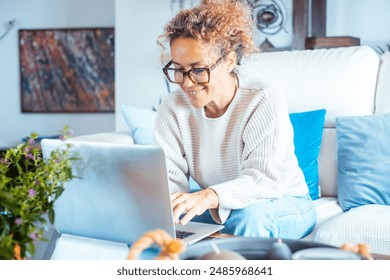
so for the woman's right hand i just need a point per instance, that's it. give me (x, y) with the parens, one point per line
(193, 204)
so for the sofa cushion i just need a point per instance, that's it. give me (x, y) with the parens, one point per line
(308, 127)
(369, 224)
(141, 124)
(326, 208)
(341, 80)
(363, 160)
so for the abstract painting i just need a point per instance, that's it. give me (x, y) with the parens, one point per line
(67, 70)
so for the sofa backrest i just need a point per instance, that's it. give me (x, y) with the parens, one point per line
(341, 80)
(382, 101)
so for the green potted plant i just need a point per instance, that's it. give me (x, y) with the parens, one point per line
(29, 186)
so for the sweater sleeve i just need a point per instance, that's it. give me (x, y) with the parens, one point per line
(167, 136)
(266, 159)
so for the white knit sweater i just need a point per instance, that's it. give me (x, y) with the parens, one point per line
(245, 156)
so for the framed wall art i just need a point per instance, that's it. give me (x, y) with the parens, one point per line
(67, 70)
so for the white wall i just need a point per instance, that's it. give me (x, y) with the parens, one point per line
(138, 23)
(15, 125)
(367, 20)
(139, 79)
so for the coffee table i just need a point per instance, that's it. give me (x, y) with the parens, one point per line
(224, 235)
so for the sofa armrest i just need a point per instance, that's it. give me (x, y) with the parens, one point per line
(120, 137)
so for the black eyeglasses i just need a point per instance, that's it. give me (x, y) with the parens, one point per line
(196, 75)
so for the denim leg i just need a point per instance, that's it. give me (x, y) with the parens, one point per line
(289, 217)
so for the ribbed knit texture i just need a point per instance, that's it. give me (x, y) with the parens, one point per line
(245, 156)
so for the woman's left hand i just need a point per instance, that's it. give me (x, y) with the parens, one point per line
(192, 204)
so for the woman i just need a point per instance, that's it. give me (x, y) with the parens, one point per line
(233, 138)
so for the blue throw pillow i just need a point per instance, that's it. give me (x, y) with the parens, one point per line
(363, 160)
(308, 127)
(141, 124)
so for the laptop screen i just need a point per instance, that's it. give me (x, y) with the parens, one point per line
(121, 191)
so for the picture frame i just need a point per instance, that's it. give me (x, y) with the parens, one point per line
(67, 70)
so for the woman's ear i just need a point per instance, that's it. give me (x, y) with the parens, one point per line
(231, 61)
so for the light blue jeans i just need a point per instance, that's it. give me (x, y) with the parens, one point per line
(288, 217)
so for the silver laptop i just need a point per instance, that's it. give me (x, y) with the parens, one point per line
(121, 192)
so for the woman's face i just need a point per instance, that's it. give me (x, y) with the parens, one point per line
(190, 53)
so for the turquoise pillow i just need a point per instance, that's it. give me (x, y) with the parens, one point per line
(363, 160)
(141, 124)
(308, 127)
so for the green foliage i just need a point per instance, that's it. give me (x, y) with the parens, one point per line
(29, 186)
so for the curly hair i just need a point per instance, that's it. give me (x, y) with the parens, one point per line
(224, 25)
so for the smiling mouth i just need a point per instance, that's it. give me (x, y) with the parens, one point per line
(193, 92)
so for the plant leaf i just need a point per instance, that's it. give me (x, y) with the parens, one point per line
(51, 215)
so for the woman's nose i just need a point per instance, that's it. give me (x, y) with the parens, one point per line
(187, 82)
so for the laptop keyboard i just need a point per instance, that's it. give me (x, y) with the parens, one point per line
(183, 234)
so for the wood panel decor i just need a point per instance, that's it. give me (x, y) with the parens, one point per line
(300, 24)
(318, 18)
(314, 36)
(331, 42)
(67, 70)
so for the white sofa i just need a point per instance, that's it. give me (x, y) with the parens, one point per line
(346, 82)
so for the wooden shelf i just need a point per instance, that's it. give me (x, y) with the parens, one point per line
(331, 42)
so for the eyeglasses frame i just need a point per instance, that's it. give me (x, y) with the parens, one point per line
(187, 73)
